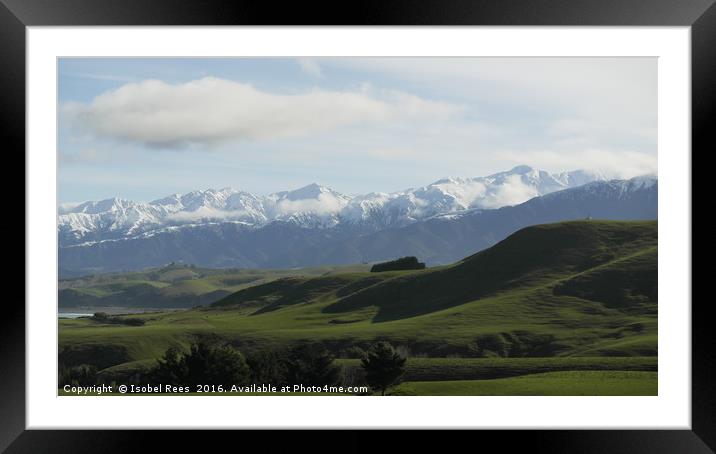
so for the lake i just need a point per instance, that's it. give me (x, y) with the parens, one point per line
(76, 312)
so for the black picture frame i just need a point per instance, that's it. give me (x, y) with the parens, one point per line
(700, 15)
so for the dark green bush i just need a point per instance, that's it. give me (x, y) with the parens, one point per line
(312, 365)
(404, 263)
(204, 365)
(103, 317)
(268, 367)
(82, 375)
(383, 366)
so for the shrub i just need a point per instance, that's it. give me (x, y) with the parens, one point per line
(354, 352)
(311, 365)
(82, 375)
(268, 367)
(203, 365)
(383, 366)
(100, 316)
(103, 317)
(404, 263)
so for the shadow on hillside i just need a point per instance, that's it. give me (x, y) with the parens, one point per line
(534, 256)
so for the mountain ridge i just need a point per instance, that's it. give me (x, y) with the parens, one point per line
(436, 240)
(313, 206)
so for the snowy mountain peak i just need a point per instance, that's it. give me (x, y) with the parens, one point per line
(311, 191)
(521, 170)
(643, 181)
(450, 180)
(312, 206)
(101, 206)
(616, 188)
(579, 177)
(173, 199)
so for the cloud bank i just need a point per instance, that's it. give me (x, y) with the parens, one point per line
(205, 212)
(512, 192)
(213, 111)
(610, 163)
(324, 204)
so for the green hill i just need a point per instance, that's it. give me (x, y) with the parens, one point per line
(585, 288)
(173, 286)
(530, 258)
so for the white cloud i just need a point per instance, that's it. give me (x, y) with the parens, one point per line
(596, 84)
(601, 96)
(555, 114)
(310, 67)
(465, 191)
(83, 156)
(323, 204)
(212, 111)
(392, 153)
(64, 208)
(204, 212)
(511, 192)
(610, 163)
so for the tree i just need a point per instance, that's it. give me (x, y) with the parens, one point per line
(204, 365)
(82, 375)
(312, 365)
(383, 367)
(100, 316)
(170, 368)
(403, 263)
(268, 366)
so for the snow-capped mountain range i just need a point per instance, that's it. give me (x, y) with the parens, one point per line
(439, 239)
(312, 206)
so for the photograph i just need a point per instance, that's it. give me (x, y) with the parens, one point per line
(402, 216)
(357, 226)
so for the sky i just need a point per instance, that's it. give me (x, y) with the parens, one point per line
(145, 128)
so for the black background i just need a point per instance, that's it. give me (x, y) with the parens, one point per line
(15, 15)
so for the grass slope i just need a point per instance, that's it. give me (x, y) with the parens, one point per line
(173, 286)
(584, 288)
(583, 383)
(441, 369)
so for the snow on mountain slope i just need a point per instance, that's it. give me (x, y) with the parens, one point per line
(453, 195)
(439, 239)
(312, 206)
(111, 215)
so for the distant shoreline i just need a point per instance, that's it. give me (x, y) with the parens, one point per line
(88, 311)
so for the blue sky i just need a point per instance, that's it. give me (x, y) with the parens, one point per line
(145, 128)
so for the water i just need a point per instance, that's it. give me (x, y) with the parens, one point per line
(76, 312)
(73, 315)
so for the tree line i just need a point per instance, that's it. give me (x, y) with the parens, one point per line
(403, 263)
(221, 364)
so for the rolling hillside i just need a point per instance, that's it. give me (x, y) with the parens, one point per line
(172, 286)
(573, 289)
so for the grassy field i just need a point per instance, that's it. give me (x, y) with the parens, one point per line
(441, 369)
(174, 286)
(570, 383)
(582, 383)
(583, 292)
(450, 369)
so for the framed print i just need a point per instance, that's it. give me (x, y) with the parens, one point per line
(409, 217)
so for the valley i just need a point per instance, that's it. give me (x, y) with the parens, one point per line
(562, 298)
